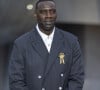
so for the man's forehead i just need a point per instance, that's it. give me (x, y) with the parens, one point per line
(46, 4)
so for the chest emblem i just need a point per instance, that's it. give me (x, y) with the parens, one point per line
(61, 58)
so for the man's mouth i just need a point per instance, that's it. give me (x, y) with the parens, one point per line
(49, 22)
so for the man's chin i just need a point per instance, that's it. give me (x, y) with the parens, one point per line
(49, 27)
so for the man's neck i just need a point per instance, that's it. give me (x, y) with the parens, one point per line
(47, 32)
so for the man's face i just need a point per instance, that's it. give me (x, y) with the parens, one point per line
(46, 15)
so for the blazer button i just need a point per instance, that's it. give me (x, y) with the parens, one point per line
(43, 89)
(61, 74)
(60, 88)
(39, 77)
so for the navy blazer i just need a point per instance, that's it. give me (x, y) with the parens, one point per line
(31, 67)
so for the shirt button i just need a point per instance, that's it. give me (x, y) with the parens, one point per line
(43, 88)
(60, 88)
(62, 75)
(39, 77)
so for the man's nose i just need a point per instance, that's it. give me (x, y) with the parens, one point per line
(48, 14)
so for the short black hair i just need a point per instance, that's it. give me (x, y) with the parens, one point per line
(36, 5)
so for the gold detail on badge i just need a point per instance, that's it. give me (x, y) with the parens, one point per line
(61, 58)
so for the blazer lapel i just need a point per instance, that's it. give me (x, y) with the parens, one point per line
(41, 50)
(55, 49)
(38, 44)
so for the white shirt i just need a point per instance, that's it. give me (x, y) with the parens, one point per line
(47, 39)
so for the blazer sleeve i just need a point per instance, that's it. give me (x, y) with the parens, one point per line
(17, 80)
(76, 76)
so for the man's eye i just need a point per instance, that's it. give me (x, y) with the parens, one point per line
(42, 11)
(52, 11)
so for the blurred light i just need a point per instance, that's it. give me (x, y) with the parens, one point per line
(29, 7)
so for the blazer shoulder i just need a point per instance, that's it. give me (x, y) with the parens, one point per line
(69, 39)
(67, 35)
(23, 39)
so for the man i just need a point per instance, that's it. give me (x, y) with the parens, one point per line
(46, 58)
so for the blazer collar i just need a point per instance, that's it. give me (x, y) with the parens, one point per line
(38, 43)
